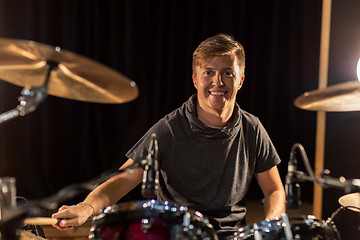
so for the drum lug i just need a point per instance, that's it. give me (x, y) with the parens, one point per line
(146, 224)
(188, 228)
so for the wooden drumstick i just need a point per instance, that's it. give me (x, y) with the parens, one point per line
(41, 221)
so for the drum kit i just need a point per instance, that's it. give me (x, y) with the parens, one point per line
(43, 70)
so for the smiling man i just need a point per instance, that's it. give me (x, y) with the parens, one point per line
(217, 83)
(209, 150)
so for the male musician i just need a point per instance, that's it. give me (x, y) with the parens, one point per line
(209, 150)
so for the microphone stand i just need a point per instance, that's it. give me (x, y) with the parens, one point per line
(330, 182)
(150, 182)
(325, 181)
(292, 187)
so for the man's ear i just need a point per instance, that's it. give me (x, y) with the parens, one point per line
(194, 81)
(241, 81)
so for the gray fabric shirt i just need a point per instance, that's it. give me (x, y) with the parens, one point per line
(209, 169)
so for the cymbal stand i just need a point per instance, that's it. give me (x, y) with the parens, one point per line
(30, 97)
(335, 214)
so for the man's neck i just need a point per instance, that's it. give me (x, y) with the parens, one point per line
(214, 118)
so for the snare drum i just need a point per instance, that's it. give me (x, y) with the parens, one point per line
(150, 220)
(307, 228)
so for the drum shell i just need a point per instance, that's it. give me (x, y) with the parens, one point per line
(147, 220)
(307, 228)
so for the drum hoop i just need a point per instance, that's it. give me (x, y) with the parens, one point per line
(144, 208)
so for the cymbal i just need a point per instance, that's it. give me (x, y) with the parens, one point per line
(23, 63)
(341, 97)
(351, 201)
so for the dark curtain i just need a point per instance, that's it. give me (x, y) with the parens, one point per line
(151, 42)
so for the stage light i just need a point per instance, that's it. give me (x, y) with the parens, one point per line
(358, 69)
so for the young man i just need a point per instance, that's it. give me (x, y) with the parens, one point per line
(209, 150)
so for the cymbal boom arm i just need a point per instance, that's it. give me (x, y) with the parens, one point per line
(30, 97)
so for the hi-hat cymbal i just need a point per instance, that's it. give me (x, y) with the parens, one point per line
(351, 201)
(23, 63)
(341, 97)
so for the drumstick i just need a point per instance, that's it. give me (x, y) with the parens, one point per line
(41, 221)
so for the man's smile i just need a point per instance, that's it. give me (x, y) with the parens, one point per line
(216, 93)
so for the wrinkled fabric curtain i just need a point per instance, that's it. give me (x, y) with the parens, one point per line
(151, 42)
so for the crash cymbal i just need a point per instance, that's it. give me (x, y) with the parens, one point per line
(351, 201)
(23, 63)
(341, 97)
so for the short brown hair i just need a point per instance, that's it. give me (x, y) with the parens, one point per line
(218, 45)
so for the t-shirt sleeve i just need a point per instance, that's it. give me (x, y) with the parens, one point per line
(140, 150)
(267, 156)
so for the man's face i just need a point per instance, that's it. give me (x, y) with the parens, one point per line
(217, 83)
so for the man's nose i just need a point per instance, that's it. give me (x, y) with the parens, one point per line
(218, 81)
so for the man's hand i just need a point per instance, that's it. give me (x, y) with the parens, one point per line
(71, 216)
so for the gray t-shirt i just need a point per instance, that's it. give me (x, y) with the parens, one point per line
(209, 169)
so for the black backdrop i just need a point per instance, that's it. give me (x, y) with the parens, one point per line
(151, 42)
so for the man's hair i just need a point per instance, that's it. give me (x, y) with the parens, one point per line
(218, 45)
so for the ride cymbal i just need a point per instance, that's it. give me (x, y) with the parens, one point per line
(351, 201)
(341, 97)
(24, 63)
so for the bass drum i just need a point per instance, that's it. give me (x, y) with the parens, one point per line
(307, 228)
(150, 220)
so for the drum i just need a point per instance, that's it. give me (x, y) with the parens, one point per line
(307, 228)
(150, 220)
(25, 235)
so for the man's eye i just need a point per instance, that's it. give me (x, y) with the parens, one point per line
(207, 72)
(228, 74)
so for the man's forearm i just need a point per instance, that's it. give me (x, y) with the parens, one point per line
(274, 205)
(111, 191)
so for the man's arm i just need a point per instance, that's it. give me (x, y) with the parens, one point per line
(273, 190)
(104, 195)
